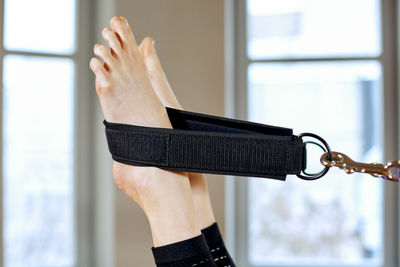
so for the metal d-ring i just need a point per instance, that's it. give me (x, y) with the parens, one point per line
(323, 149)
(314, 176)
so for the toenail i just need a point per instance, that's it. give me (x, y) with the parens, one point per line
(93, 63)
(99, 49)
(114, 19)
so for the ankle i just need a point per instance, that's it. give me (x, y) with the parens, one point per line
(167, 231)
(168, 204)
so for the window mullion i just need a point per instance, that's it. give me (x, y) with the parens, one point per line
(38, 54)
(320, 59)
(390, 126)
(240, 185)
(84, 97)
(2, 53)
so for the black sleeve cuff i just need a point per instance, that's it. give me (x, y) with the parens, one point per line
(180, 251)
(216, 246)
(212, 234)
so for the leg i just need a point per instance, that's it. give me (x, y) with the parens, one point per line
(126, 96)
(204, 212)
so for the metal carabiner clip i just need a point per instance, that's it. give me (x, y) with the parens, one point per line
(389, 171)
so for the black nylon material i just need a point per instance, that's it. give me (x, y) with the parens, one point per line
(209, 144)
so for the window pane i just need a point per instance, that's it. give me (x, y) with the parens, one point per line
(337, 219)
(40, 26)
(313, 28)
(38, 161)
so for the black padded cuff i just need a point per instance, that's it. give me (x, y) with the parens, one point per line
(208, 144)
(181, 251)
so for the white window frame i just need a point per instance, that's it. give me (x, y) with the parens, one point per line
(93, 211)
(236, 67)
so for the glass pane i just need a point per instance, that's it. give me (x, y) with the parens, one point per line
(38, 162)
(313, 28)
(337, 219)
(40, 26)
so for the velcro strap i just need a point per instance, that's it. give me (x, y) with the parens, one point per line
(209, 144)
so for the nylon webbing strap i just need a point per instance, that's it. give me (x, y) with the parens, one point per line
(209, 144)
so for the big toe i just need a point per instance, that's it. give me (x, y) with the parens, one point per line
(150, 58)
(121, 27)
(146, 47)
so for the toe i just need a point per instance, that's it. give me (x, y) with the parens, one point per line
(101, 75)
(111, 39)
(96, 66)
(104, 53)
(150, 58)
(121, 27)
(147, 47)
(140, 47)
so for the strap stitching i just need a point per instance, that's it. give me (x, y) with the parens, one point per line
(215, 249)
(220, 258)
(195, 264)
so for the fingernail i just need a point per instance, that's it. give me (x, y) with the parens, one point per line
(154, 42)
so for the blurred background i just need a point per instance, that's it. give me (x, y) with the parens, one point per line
(324, 66)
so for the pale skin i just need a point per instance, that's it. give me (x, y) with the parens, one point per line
(133, 89)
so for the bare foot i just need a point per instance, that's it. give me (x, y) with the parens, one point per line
(126, 96)
(201, 196)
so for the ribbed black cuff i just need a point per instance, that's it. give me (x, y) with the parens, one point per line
(212, 234)
(216, 246)
(180, 251)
